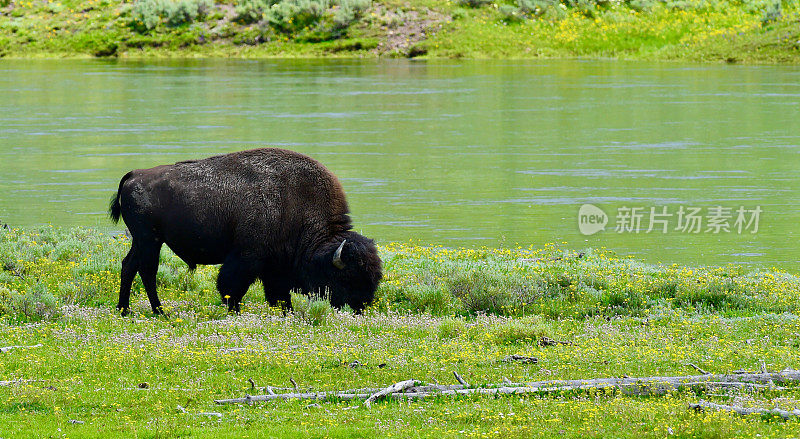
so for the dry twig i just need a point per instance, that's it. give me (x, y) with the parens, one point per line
(697, 368)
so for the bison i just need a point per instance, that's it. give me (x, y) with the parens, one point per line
(268, 214)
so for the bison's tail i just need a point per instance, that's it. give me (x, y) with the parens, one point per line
(115, 209)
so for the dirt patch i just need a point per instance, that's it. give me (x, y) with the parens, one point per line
(404, 30)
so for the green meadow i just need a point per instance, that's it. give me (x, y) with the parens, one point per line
(748, 31)
(81, 370)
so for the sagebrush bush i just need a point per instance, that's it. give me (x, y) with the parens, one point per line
(511, 13)
(34, 305)
(349, 11)
(291, 16)
(481, 292)
(772, 13)
(642, 5)
(146, 15)
(252, 11)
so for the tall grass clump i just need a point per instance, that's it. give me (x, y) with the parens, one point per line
(473, 3)
(452, 327)
(313, 310)
(528, 329)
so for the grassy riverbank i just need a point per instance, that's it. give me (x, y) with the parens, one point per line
(752, 31)
(439, 310)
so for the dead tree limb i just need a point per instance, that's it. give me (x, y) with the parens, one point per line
(785, 376)
(8, 348)
(459, 379)
(645, 386)
(13, 382)
(394, 388)
(785, 414)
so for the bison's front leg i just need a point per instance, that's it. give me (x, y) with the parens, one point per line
(235, 277)
(276, 292)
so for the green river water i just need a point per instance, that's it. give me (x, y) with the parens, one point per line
(467, 153)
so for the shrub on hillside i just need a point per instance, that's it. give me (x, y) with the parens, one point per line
(146, 15)
(349, 11)
(291, 16)
(252, 11)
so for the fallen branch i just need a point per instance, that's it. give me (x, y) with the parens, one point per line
(785, 376)
(8, 348)
(13, 382)
(646, 386)
(394, 388)
(785, 414)
(460, 380)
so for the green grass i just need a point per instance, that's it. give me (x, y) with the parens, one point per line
(621, 317)
(747, 31)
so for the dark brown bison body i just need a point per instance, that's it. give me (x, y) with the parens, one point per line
(267, 214)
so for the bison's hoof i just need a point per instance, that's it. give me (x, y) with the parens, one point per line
(123, 311)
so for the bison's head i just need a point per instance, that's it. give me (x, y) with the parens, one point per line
(350, 269)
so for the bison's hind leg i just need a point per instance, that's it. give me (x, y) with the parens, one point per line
(141, 258)
(130, 265)
(235, 277)
(148, 269)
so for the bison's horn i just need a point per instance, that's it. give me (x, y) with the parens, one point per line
(337, 256)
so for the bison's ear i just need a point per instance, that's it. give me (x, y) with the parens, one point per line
(337, 256)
